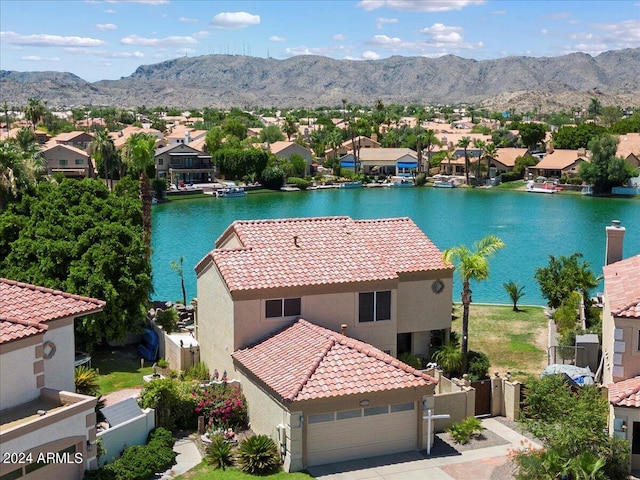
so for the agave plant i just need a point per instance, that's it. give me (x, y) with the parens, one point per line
(219, 452)
(258, 455)
(86, 380)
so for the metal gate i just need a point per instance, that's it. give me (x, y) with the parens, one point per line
(483, 396)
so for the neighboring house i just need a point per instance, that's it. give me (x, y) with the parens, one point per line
(621, 340)
(384, 161)
(360, 142)
(559, 162)
(121, 136)
(39, 411)
(284, 150)
(629, 148)
(70, 161)
(179, 162)
(183, 134)
(77, 139)
(505, 159)
(382, 281)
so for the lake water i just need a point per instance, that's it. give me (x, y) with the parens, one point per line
(532, 226)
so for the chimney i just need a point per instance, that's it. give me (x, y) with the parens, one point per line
(187, 137)
(343, 329)
(374, 137)
(615, 240)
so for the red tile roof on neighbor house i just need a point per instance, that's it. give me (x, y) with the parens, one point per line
(625, 393)
(305, 362)
(321, 251)
(622, 287)
(25, 309)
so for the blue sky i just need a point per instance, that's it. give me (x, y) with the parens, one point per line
(109, 39)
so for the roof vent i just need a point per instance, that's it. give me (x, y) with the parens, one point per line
(295, 241)
(343, 329)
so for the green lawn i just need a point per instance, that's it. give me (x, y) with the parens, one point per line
(514, 341)
(207, 472)
(119, 367)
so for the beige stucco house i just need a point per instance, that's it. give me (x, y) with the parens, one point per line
(559, 162)
(621, 340)
(360, 142)
(284, 150)
(181, 162)
(40, 415)
(382, 283)
(383, 161)
(68, 160)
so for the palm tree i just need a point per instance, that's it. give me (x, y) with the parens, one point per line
(140, 158)
(471, 265)
(489, 152)
(289, 127)
(464, 142)
(429, 141)
(178, 267)
(594, 108)
(34, 111)
(480, 145)
(515, 291)
(103, 149)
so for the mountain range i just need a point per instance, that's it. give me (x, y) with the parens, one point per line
(223, 81)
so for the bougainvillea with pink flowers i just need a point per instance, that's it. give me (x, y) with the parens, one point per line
(223, 406)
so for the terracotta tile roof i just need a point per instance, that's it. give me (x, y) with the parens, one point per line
(305, 362)
(388, 154)
(50, 148)
(31, 306)
(11, 330)
(507, 156)
(321, 251)
(628, 144)
(622, 288)
(560, 159)
(625, 393)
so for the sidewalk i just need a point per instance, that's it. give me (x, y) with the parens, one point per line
(188, 457)
(490, 463)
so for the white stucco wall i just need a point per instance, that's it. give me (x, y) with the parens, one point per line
(133, 432)
(58, 370)
(18, 380)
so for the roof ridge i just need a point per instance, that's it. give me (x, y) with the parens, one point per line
(52, 291)
(26, 323)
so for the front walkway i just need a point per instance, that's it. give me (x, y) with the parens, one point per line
(491, 463)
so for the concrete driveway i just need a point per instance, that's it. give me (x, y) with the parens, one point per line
(490, 463)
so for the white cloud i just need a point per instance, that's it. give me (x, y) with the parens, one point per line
(386, 41)
(544, 31)
(339, 37)
(158, 42)
(103, 53)
(607, 36)
(110, 11)
(441, 33)
(44, 40)
(200, 34)
(106, 26)
(276, 38)
(380, 22)
(322, 51)
(36, 58)
(419, 5)
(234, 20)
(370, 55)
(188, 20)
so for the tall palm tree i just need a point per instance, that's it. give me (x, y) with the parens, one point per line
(594, 108)
(480, 145)
(35, 111)
(489, 152)
(289, 127)
(140, 159)
(464, 142)
(471, 265)
(103, 149)
(429, 141)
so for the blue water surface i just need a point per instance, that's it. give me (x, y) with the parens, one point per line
(532, 226)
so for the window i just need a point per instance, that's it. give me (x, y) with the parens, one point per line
(283, 307)
(374, 306)
(635, 443)
(160, 162)
(402, 407)
(79, 161)
(376, 410)
(321, 417)
(346, 414)
(63, 162)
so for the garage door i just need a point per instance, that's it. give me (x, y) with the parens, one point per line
(360, 433)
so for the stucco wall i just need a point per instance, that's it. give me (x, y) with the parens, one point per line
(265, 413)
(58, 370)
(420, 309)
(17, 373)
(215, 321)
(133, 432)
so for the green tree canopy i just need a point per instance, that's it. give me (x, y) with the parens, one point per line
(79, 238)
(532, 133)
(271, 134)
(571, 137)
(605, 170)
(564, 275)
(237, 163)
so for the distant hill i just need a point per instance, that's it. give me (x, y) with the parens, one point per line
(525, 83)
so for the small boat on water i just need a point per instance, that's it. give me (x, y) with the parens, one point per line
(351, 185)
(289, 188)
(545, 188)
(402, 182)
(444, 183)
(230, 192)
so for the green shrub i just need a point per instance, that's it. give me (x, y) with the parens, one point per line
(411, 360)
(449, 358)
(272, 178)
(301, 183)
(567, 314)
(173, 402)
(86, 381)
(478, 365)
(258, 455)
(510, 177)
(167, 319)
(421, 179)
(462, 431)
(219, 453)
(198, 371)
(163, 363)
